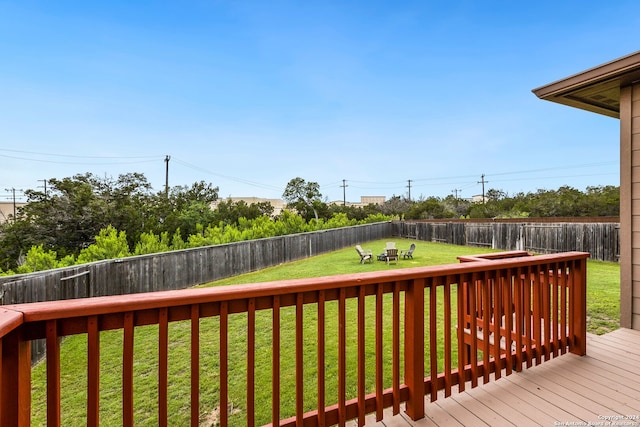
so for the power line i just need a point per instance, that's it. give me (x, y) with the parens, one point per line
(78, 156)
(81, 162)
(230, 178)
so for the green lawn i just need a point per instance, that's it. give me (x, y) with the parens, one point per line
(603, 315)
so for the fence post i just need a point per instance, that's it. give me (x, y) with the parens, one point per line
(578, 308)
(414, 348)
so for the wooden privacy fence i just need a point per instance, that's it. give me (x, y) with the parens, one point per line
(600, 239)
(363, 342)
(177, 269)
(180, 269)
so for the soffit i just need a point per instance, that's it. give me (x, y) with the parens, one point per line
(597, 89)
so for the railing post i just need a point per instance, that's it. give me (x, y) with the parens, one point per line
(578, 308)
(414, 348)
(15, 403)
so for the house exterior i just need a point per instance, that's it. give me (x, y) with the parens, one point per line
(613, 89)
(278, 204)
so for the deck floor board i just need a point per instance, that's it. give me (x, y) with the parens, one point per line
(562, 391)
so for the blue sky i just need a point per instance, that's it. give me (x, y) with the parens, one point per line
(248, 95)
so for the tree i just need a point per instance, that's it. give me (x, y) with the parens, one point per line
(230, 212)
(73, 211)
(396, 205)
(430, 208)
(459, 207)
(303, 196)
(183, 209)
(110, 244)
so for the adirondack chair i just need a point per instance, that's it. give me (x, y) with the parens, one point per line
(391, 255)
(383, 255)
(408, 253)
(365, 254)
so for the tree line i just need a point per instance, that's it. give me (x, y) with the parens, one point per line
(564, 202)
(87, 218)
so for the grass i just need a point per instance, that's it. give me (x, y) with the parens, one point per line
(603, 316)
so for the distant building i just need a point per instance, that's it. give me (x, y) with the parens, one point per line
(7, 209)
(364, 201)
(478, 198)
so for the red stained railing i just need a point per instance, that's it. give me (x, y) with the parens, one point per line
(446, 325)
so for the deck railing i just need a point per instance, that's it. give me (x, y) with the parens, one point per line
(361, 342)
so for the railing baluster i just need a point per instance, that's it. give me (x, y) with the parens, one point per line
(251, 360)
(395, 362)
(379, 354)
(361, 359)
(342, 358)
(528, 318)
(275, 361)
(163, 365)
(473, 296)
(520, 281)
(537, 312)
(224, 363)
(461, 295)
(486, 322)
(53, 374)
(127, 371)
(507, 294)
(547, 282)
(433, 338)
(555, 284)
(498, 282)
(195, 365)
(447, 335)
(563, 307)
(321, 358)
(93, 371)
(299, 360)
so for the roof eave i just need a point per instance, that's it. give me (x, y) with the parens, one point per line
(619, 72)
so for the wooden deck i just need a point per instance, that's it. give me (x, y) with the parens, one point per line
(566, 391)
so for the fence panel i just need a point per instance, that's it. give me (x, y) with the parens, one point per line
(600, 239)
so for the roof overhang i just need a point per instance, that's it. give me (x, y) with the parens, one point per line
(596, 89)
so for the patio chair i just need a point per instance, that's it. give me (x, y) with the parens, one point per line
(365, 254)
(391, 255)
(408, 253)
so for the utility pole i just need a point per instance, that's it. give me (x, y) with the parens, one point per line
(344, 192)
(409, 187)
(44, 181)
(166, 176)
(483, 182)
(455, 192)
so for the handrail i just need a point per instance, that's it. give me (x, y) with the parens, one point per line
(482, 304)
